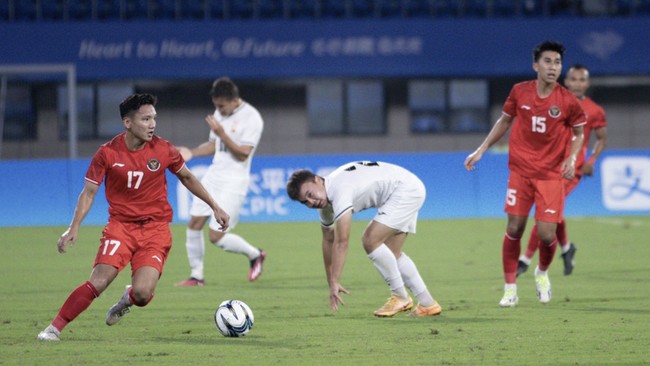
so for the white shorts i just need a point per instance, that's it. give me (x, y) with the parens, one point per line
(400, 212)
(229, 202)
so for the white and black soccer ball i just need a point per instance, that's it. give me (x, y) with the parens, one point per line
(234, 318)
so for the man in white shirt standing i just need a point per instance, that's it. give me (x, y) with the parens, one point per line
(235, 131)
(398, 196)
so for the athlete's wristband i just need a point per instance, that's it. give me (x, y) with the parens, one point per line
(591, 160)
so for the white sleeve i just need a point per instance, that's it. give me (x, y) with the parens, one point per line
(253, 131)
(326, 216)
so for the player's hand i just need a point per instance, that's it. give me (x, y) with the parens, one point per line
(472, 159)
(588, 169)
(335, 298)
(215, 126)
(569, 168)
(69, 236)
(223, 219)
(185, 152)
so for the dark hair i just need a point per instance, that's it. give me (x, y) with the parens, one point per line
(134, 102)
(579, 67)
(297, 179)
(548, 46)
(224, 88)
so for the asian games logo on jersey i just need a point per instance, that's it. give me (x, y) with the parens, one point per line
(153, 164)
(554, 111)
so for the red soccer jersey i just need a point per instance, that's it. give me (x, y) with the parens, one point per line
(595, 119)
(541, 130)
(136, 186)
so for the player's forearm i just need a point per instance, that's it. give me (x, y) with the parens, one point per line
(496, 133)
(84, 204)
(240, 152)
(601, 142)
(576, 143)
(327, 259)
(197, 189)
(205, 149)
(339, 252)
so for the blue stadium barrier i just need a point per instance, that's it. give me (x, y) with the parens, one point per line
(44, 192)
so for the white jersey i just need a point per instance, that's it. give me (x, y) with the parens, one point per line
(362, 185)
(244, 126)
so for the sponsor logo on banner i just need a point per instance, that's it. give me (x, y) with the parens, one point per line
(626, 182)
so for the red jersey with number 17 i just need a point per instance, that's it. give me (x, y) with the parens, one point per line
(541, 130)
(136, 186)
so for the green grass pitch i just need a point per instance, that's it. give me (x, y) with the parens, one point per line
(598, 315)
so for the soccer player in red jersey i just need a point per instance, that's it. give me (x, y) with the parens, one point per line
(132, 165)
(577, 81)
(543, 115)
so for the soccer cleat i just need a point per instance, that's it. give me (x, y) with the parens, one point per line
(393, 306)
(49, 334)
(117, 311)
(543, 285)
(522, 267)
(568, 259)
(509, 298)
(256, 266)
(191, 282)
(432, 310)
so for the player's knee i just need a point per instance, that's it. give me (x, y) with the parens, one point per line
(141, 297)
(215, 238)
(547, 239)
(515, 230)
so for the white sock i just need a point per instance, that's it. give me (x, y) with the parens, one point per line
(565, 247)
(539, 272)
(510, 286)
(195, 245)
(413, 280)
(525, 259)
(236, 244)
(386, 264)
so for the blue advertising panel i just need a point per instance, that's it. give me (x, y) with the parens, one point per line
(44, 192)
(369, 48)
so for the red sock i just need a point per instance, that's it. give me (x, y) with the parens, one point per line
(510, 252)
(78, 301)
(546, 253)
(533, 242)
(560, 232)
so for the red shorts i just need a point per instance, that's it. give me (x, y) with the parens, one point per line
(143, 245)
(546, 195)
(570, 185)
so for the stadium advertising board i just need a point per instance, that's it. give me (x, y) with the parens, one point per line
(44, 192)
(372, 48)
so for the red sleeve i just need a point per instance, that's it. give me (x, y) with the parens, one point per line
(97, 169)
(578, 116)
(510, 106)
(599, 120)
(176, 161)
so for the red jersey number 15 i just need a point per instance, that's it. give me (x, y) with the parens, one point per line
(539, 124)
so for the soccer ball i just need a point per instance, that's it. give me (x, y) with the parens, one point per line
(234, 318)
